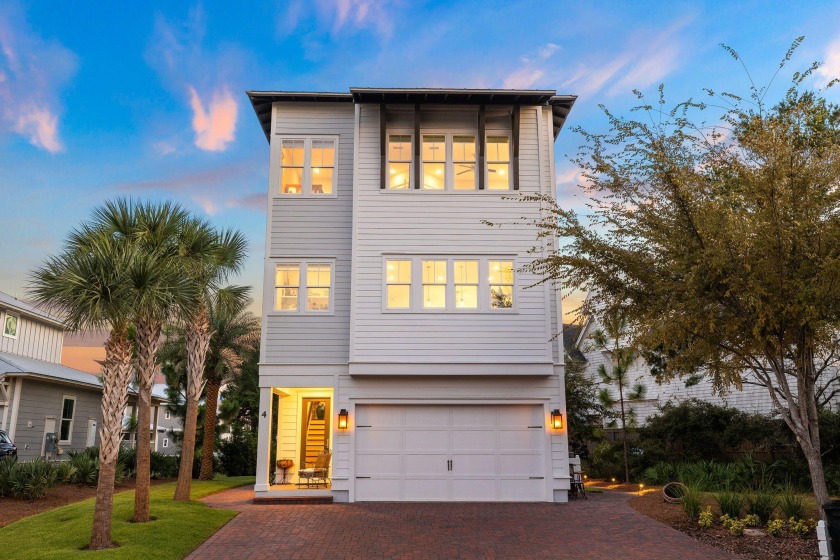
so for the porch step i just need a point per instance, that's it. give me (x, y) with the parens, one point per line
(294, 500)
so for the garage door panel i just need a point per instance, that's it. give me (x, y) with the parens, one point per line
(417, 464)
(378, 440)
(474, 464)
(475, 416)
(521, 490)
(426, 416)
(379, 464)
(474, 489)
(515, 440)
(379, 416)
(520, 415)
(377, 490)
(525, 464)
(474, 440)
(426, 440)
(427, 489)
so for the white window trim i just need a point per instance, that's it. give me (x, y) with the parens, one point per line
(167, 415)
(484, 307)
(17, 325)
(486, 170)
(61, 419)
(306, 185)
(165, 442)
(399, 132)
(302, 286)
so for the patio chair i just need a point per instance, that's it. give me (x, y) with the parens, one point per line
(577, 488)
(317, 472)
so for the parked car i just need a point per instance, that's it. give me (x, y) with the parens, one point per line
(7, 448)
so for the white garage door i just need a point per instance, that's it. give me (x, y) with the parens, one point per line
(450, 453)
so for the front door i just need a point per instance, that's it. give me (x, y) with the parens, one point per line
(315, 429)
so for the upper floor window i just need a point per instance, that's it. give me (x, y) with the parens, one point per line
(68, 411)
(307, 166)
(449, 284)
(463, 162)
(10, 325)
(303, 286)
(498, 163)
(399, 161)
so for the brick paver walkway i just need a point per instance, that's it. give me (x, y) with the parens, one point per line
(603, 527)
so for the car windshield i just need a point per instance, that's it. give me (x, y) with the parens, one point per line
(4, 438)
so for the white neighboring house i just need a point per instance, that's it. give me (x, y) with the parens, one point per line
(45, 407)
(398, 329)
(751, 398)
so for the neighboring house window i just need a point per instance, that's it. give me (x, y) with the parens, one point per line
(434, 162)
(501, 284)
(167, 415)
(10, 325)
(165, 442)
(398, 284)
(312, 280)
(399, 161)
(68, 410)
(498, 163)
(463, 160)
(307, 166)
(456, 284)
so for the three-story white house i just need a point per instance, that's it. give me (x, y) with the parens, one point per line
(400, 331)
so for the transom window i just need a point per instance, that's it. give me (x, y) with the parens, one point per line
(68, 410)
(303, 287)
(307, 166)
(480, 284)
(399, 162)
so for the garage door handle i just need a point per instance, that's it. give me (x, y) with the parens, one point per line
(535, 426)
(362, 477)
(536, 478)
(360, 426)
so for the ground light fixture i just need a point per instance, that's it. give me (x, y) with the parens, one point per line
(342, 419)
(556, 419)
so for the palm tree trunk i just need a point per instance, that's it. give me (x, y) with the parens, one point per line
(211, 399)
(198, 340)
(148, 343)
(116, 373)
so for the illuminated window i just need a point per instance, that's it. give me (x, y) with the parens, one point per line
(434, 161)
(466, 284)
(398, 284)
(307, 166)
(434, 284)
(498, 163)
(287, 287)
(399, 161)
(501, 284)
(318, 279)
(463, 162)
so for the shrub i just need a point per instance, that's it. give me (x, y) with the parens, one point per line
(85, 469)
(775, 527)
(761, 503)
(238, 455)
(7, 466)
(736, 528)
(692, 502)
(726, 521)
(751, 520)
(30, 480)
(706, 518)
(730, 503)
(800, 527)
(660, 474)
(791, 504)
(163, 466)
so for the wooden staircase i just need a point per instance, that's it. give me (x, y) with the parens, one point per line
(316, 435)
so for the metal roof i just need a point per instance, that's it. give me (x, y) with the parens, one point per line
(28, 309)
(561, 105)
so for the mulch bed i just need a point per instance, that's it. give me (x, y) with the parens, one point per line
(13, 509)
(760, 547)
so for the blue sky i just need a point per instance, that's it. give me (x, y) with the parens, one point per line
(147, 98)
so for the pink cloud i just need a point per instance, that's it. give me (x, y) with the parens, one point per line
(33, 71)
(342, 15)
(254, 201)
(214, 125)
(532, 69)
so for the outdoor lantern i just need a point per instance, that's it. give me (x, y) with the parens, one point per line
(556, 419)
(342, 419)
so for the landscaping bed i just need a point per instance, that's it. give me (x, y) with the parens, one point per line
(755, 543)
(12, 509)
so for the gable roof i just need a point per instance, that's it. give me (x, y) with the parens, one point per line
(571, 332)
(28, 309)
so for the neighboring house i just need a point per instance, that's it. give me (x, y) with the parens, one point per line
(400, 331)
(167, 425)
(45, 407)
(750, 398)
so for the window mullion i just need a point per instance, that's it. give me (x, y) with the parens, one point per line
(307, 168)
(302, 289)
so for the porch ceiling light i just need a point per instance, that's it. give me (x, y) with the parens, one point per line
(342, 419)
(556, 419)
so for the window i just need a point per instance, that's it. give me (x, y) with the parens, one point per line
(398, 284)
(167, 415)
(165, 442)
(466, 284)
(399, 161)
(449, 284)
(68, 409)
(501, 284)
(307, 166)
(434, 162)
(10, 325)
(463, 161)
(434, 284)
(498, 163)
(311, 280)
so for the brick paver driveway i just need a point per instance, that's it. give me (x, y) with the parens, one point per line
(602, 527)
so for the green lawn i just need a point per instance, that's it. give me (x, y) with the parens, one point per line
(177, 531)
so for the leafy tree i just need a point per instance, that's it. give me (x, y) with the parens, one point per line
(241, 398)
(583, 410)
(719, 244)
(609, 340)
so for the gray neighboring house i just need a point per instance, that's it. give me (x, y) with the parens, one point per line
(45, 407)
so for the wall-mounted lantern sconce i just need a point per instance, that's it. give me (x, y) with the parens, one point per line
(342, 419)
(556, 419)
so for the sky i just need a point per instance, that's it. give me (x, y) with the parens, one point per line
(147, 99)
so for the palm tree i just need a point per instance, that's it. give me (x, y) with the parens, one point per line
(209, 257)
(609, 340)
(159, 289)
(88, 285)
(235, 332)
